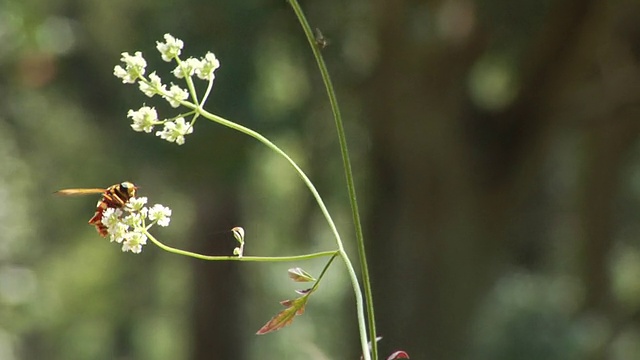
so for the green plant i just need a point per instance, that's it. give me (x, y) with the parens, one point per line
(132, 227)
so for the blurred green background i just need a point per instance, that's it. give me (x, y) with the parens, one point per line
(495, 148)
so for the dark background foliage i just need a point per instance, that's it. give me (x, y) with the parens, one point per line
(495, 148)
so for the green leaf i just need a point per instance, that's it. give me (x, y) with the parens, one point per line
(299, 275)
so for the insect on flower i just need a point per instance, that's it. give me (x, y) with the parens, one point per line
(115, 196)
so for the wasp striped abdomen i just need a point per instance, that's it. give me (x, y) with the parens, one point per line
(115, 196)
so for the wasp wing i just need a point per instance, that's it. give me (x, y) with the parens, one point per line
(79, 192)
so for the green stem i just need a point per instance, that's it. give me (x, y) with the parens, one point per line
(206, 93)
(348, 172)
(190, 85)
(326, 267)
(239, 258)
(345, 258)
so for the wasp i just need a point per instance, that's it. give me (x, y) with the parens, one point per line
(115, 196)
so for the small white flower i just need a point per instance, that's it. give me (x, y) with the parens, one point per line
(137, 204)
(169, 49)
(153, 86)
(175, 95)
(133, 220)
(134, 67)
(160, 214)
(144, 119)
(133, 242)
(110, 217)
(175, 131)
(121, 73)
(117, 232)
(186, 68)
(208, 65)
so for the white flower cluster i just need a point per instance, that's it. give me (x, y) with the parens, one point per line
(133, 70)
(127, 226)
(146, 117)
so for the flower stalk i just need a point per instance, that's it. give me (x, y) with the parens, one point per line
(316, 48)
(176, 129)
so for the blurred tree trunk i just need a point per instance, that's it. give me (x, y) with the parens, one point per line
(608, 140)
(216, 308)
(450, 177)
(610, 134)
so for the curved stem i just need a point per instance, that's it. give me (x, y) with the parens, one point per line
(230, 124)
(345, 258)
(239, 258)
(348, 173)
(206, 93)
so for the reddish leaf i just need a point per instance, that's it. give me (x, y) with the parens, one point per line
(304, 291)
(285, 317)
(398, 355)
